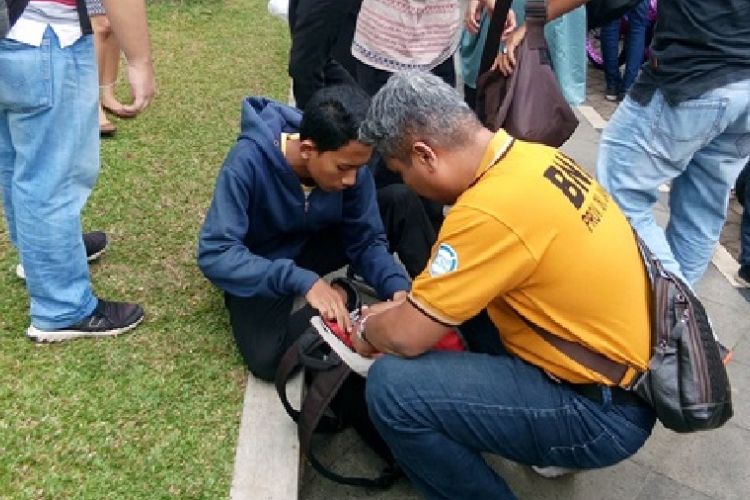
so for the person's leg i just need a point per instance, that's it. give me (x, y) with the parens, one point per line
(700, 195)
(636, 43)
(609, 36)
(342, 47)
(744, 259)
(53, 128)
(446, 70)
(7, 160)
(408, 228)
(440, 411)
(644, 147)
(371, 79)
(313, 34)
(264, 327)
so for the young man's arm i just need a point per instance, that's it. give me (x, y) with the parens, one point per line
(128, 21)
(365, 240)
(223, 256)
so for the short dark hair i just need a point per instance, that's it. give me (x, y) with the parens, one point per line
(332, 116)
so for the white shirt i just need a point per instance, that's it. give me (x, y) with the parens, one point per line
(32, 24)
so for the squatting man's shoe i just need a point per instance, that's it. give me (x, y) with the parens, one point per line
(95, 243)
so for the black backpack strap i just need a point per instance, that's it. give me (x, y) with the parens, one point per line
(320, 394)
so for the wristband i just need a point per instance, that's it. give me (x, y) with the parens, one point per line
(361, 329)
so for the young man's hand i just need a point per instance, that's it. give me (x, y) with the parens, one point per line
(330, 301)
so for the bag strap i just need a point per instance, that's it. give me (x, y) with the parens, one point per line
(612, 370)
(331, 373)
(320, 394)
(492, 43)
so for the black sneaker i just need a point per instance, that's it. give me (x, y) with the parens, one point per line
(743, 275)
(109, 319)
(611, 94)
(95, 243)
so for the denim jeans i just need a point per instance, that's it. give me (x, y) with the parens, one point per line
(440, 411)
(635, 44)
(49, 160)
(745, 224)
(700, 145)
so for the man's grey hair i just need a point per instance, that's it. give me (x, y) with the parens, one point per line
(416, 105)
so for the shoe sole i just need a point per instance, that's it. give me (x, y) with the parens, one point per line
(742, 281)
(47, 337)
(21, 274)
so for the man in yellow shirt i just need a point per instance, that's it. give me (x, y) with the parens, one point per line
(532, 250)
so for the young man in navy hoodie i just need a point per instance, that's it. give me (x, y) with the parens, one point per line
(293, 203)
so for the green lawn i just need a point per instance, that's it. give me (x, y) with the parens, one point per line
(154, 413)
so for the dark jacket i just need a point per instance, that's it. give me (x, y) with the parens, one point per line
(259, 220)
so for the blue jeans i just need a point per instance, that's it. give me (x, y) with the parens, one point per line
(700, 146)
(745, 224)
(440, 411)
(635, 44)
(49, 160)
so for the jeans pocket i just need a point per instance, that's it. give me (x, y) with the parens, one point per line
(26, 72)
(694, 120)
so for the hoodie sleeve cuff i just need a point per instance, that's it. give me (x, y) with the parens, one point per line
(394, 284)
(304, 281)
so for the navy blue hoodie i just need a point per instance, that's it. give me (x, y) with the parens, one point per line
(259, 221)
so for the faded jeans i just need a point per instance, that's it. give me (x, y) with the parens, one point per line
(440, 411)
(700, 146)
(49, 160)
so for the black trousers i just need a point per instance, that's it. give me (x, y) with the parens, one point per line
(264, 328)
(322, 33)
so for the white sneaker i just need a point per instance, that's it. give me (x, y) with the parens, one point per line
(552, 471)
(20, 273)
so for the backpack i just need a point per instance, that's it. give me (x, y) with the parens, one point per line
(334, 400)
(686, 382)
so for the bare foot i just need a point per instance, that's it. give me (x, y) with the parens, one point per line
(106, 128)
(112, 105)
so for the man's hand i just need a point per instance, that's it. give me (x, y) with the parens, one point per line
(506, 61)
(330, 303)
(400, 296)
(142, 87)
(510, 26)
(473, 16)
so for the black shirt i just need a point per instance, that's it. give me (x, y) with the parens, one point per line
(698, 45)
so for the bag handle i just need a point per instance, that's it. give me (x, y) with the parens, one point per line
(331, 374)
(612, 370)
(492, 42)
(320, 394)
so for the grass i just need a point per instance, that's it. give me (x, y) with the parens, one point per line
(155, 413)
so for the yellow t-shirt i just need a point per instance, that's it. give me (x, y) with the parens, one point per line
(536, 235)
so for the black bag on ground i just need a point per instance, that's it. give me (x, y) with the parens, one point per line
(686, 381)
(600, 12)
(335, 399)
